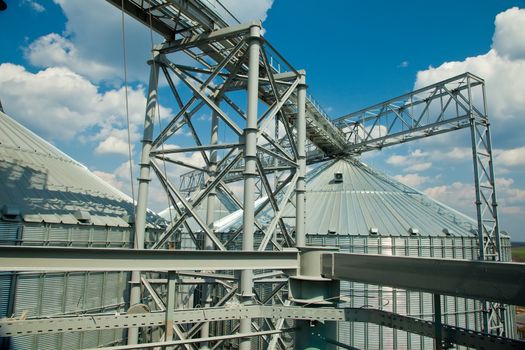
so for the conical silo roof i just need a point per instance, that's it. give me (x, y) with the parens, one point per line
(45, 184)
(347, 197)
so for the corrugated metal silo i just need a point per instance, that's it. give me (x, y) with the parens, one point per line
(49, 199)
(359, 210)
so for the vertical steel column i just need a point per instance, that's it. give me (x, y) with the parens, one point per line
(300, 197)
(486, 206)
(310, 289)
(210, 218)
(494, 203)
(170, 305)
(438, 339)
(250, 172)
(144, 179)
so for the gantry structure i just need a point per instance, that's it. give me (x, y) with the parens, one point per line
(271, 130)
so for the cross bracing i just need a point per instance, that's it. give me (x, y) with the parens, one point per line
(232, 60)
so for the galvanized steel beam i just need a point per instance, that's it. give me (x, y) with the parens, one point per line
(21, 258)
(451, 335)
(492, 281)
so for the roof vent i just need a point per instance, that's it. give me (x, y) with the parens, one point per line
(413, 231)
(338, 177)
(82, 216)
(130, 219)
(373, 230)
(448, 232)
(11, 213)
(332, 231)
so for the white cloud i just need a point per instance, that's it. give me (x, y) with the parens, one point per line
(244, 10)
(36, 6)
(502, 68)
(113, 145)
(510, 157)
(92, 43)
(412, 180)
(55, 50)
(419, 167)
(60, 105)
(414, 162)
(397, 159)
(459, 195)
(509, 39)
(110, 179)
(96, 50)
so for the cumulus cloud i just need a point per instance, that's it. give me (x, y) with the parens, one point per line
(511, 157)
(55, 50)
(419, 167)
(412, 180)
(458, 195)
(113, 145)
(414, 162)
(243, 10)
(96, 50)
(59, 104)
(509, 40)
(461, 196)
(36, 6)
(397, 159)
(503, 68)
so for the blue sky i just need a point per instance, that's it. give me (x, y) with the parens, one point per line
(61, 75)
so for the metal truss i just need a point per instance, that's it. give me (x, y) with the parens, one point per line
(449, 334)
(448, 277)
(452, 104)
(242, 86)
(434, 109)
(225, 63)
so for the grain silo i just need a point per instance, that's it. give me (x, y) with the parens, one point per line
(360, 210)
(356, 208)
(49, 199)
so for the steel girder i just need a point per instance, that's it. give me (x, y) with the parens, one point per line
(450, 335)
(482, 280)
(226, 61)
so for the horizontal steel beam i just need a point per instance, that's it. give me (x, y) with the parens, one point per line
(489, 281)
(203, 38)
(14, 327)
(455, 335)
(103, 259)
(450, 334)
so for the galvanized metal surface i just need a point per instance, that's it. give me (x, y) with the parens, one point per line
(451, 334)
(367, 202)
(93, 259)
(45, 185)
(463, 278)
(458, 312)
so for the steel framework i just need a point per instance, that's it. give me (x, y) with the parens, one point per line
(245, 87)
(449, 277)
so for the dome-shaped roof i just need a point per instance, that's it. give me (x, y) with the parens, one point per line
(45, 184)
(345, 196)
